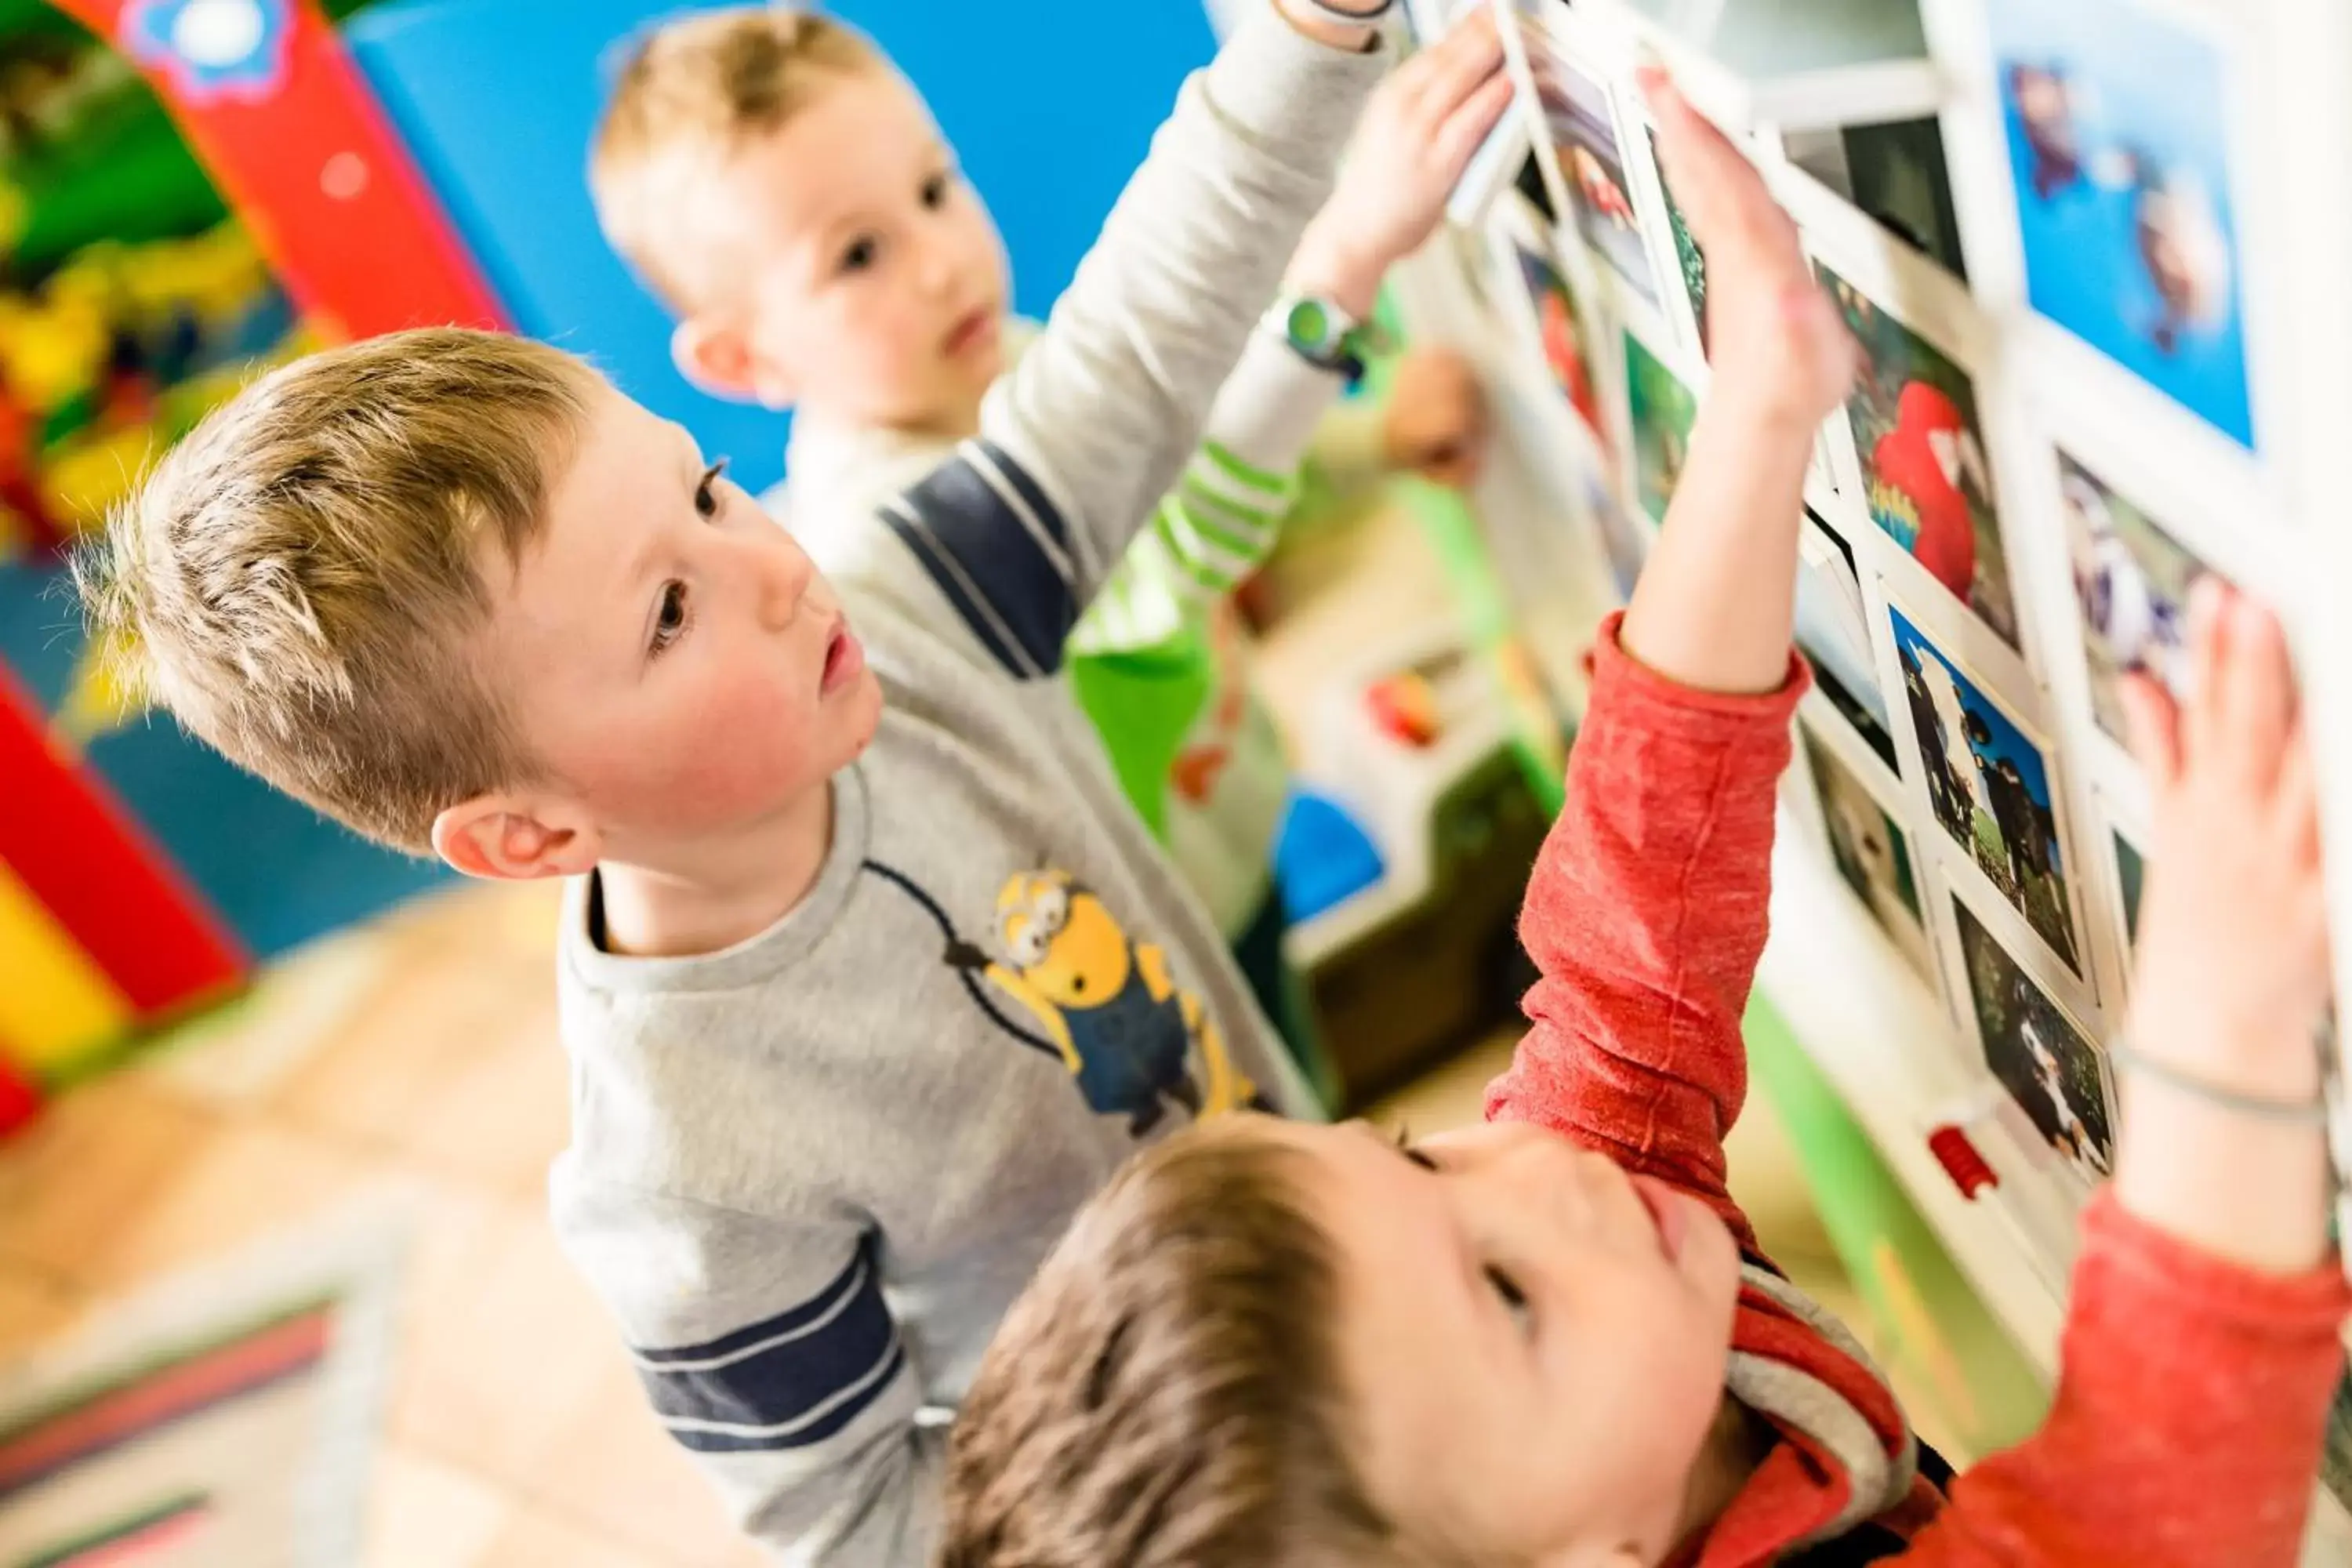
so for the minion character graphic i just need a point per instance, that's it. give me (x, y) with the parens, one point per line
(1108, 1004)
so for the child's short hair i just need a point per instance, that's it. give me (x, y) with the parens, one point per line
(700, 87)
(299, 579)
(1167, 1391)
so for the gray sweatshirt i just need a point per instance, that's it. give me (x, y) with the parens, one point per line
(809, 1174)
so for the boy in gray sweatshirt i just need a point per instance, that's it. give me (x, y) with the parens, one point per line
(870, 974)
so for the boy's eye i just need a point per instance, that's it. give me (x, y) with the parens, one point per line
(669, 624)
(1507, 1290)
(860, 253)
(1403, 1139)
(935, 191)
(705, 494)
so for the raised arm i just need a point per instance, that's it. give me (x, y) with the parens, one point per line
(1646, 913)
(1021, 530)
(2201, 1343)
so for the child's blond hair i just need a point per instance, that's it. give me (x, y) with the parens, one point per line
(301, 580)
(1168, 1391)
(690, 95)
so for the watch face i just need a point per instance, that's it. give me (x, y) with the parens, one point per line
(1310, 324)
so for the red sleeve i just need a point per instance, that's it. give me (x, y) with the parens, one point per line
(2187, 1423)
(1646, 915)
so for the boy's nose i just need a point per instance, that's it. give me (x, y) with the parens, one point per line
(936, 267)
(784, 572)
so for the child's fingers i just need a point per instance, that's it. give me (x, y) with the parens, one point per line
(2197, 723)
(1460, 63)
(1721, 195)
(2256, 698)
(1466, 128)
(2297, 800)
(2153, 720)
(1682, 134)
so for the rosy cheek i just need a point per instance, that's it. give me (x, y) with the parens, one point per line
(673, 772)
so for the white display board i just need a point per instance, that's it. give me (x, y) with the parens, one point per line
(2105, 314)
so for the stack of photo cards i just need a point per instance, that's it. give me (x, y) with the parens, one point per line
(1580, 146)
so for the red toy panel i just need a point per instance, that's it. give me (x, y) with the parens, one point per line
(267, 98)
(97, 875)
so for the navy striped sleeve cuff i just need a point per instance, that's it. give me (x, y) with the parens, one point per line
(790, 1381)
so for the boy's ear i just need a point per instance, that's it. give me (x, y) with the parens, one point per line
(509, 839)
(716, 356)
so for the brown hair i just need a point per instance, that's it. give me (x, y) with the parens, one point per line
(1167, 1391)
(700, 88)
(298, 579)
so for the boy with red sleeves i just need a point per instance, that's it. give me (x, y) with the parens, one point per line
(1553, 1341)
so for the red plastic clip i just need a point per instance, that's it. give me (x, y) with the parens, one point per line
(1969, 1171)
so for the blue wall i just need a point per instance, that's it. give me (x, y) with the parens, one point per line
(497, 97)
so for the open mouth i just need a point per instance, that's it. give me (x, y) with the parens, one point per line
(1668, 1213)
(844, 659)
(972, 333)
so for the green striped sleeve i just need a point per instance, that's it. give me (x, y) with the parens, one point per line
(1245, 475)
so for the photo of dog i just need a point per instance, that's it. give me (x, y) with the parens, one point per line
(2056, 1076)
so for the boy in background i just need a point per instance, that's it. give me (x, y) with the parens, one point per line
(869, 976)
(1551, 1341)
(787, 192)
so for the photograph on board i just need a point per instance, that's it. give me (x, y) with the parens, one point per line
(1873, 854)
(1662, 410)
(2049, 1068)
(1581, 125)
(2131, 876)
(1688, 255)
(1625, 538)
(1896, 173)
(1924, 469)
(1990, 788)
(2118, 142)
(1833, 634)
(1559, 325)
(2132, 580)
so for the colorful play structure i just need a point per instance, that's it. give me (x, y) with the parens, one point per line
(188, 189)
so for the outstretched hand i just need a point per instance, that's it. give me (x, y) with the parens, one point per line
(1416, 138)
(1774, 336)
(2234, 943)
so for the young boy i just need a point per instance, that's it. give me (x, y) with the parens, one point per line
(789, 194)
(1552, 1341)
(869, 975)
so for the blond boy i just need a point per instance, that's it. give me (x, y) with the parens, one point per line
(868, 976)
(790, 197)
(1551, 1342)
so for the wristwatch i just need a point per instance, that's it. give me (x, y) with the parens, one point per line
(1322, 333)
